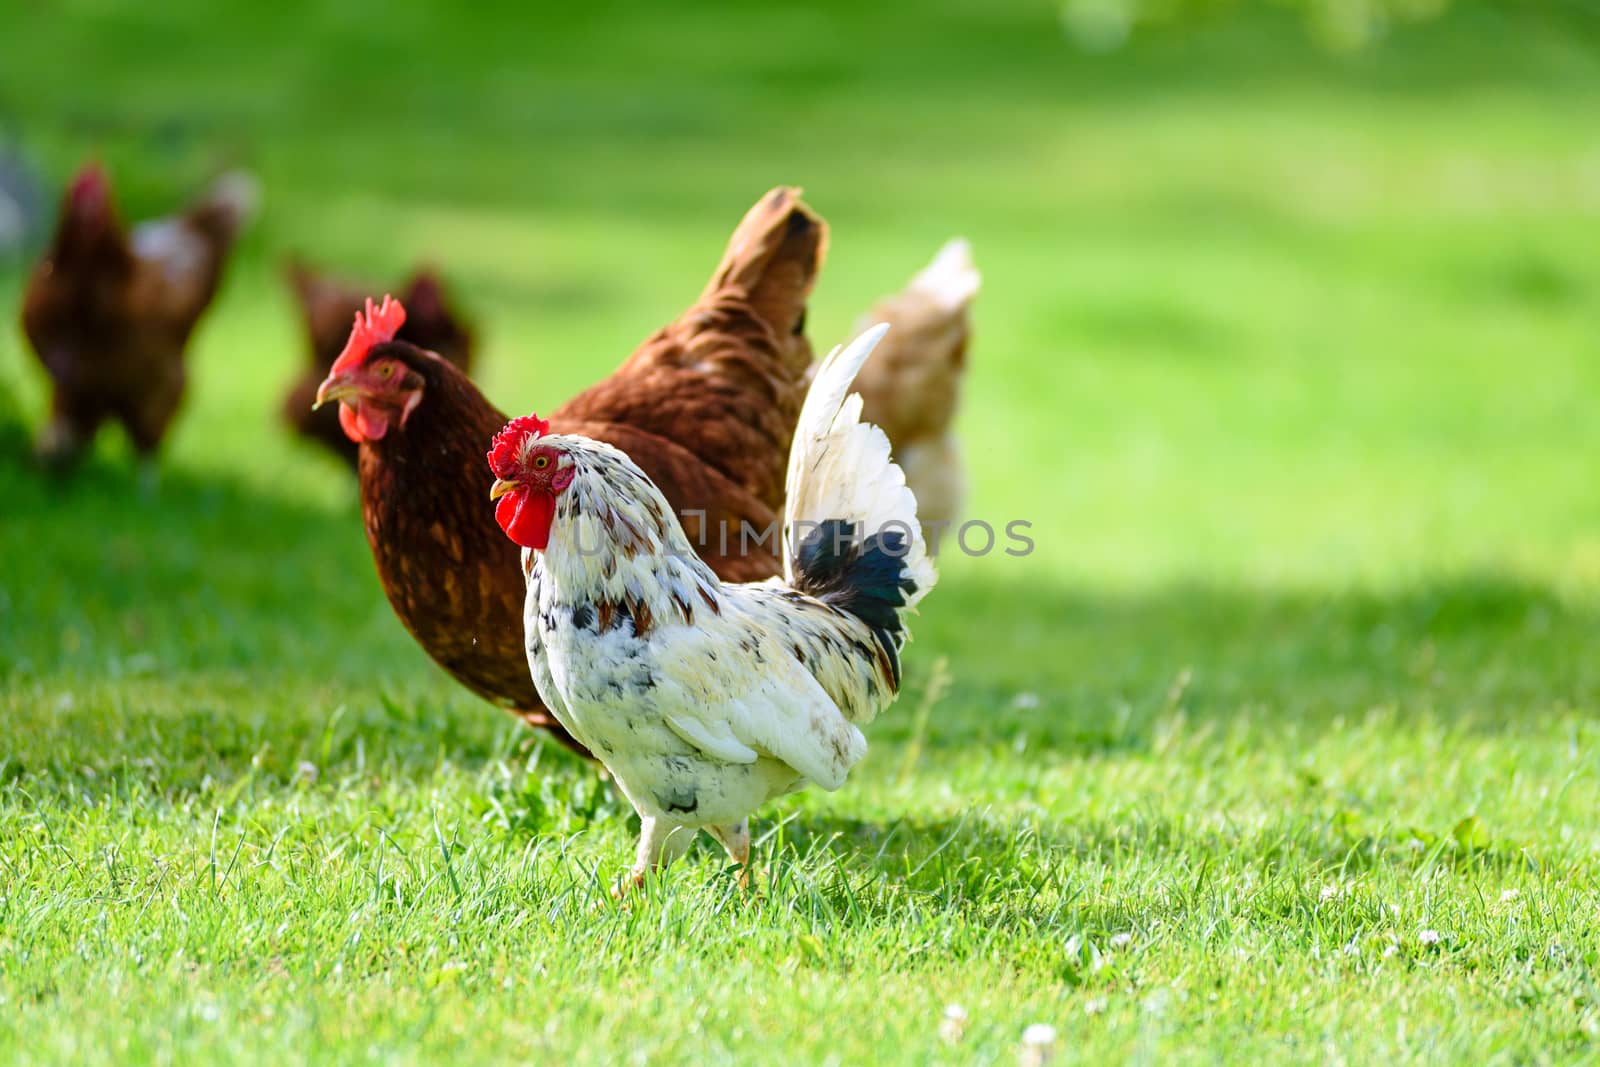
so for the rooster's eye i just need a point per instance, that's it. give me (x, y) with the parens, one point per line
(541, 462)
(386, 370)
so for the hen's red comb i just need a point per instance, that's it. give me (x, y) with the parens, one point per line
(507, 447)
(374, 328)
(90, 183)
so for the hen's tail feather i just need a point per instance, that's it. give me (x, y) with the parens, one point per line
(772, 260)
(951, 280)
(912, 386)
(228, 205)
(851, 536)
(911, 389)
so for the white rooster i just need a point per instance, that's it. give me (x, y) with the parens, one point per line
(707, 699)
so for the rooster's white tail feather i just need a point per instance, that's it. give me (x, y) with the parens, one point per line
(841, 472)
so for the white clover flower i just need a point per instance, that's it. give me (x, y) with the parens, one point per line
(1428, 937)
(1510, 895)
(953, 1024)
(1075, 947)
(1122, 940)
(1097, 1006)
(1156, 1002)
(1038, 1044)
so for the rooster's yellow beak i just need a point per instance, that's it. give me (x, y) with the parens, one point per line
(501, 487)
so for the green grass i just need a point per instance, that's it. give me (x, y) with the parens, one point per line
(1289, 359)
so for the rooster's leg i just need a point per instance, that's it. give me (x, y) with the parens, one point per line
(736, 839)
(660, 842)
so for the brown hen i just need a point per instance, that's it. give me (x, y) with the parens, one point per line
(706, 407)
(327, 304)
(109, 312)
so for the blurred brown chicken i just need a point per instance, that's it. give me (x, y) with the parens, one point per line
(328, 305)
(109, 312)
(706, 407)
(912, 383)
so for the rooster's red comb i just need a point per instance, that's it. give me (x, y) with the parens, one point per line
(507, 447)
(374, 327)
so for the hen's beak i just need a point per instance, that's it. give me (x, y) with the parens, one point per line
(335, 387)
(501, 487)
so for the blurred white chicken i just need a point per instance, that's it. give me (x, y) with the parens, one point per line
(707, 699)
(913, 383)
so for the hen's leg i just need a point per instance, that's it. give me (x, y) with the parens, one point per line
(70, 430)
(147, 416)
(736, 839)
(660, 842)
(149, 476)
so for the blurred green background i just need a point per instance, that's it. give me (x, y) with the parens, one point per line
(1288, 347)
(1258, 315)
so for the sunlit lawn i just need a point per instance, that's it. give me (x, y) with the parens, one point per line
(1282, 744)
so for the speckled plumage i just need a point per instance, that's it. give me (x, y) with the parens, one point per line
(706, 699)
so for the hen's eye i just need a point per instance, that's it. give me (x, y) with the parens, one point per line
(386, 370)
(541, 462)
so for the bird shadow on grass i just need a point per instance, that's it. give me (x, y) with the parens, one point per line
(193, 622)
(1056, 872)
(1054, 668)
(199, 573)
